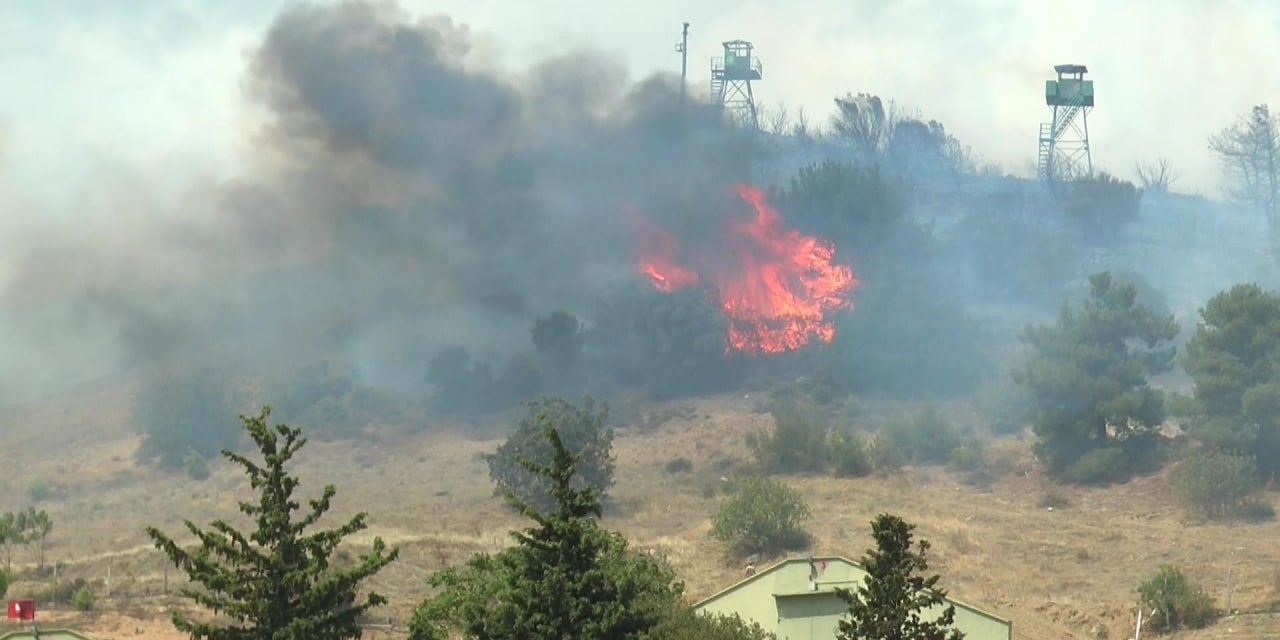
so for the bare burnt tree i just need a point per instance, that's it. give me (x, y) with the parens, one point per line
(1156, 176)
(864, 121)
(1249, 151)
(776, 120)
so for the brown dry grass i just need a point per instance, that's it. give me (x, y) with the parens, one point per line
(1066, 573)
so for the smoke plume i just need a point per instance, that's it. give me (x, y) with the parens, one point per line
(398, 195)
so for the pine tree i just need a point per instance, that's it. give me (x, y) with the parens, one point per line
(277, 583)
(1094, 410)
(565, 578)
(894, 602)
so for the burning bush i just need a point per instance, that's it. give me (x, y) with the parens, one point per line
(777, 287)
(905, 334)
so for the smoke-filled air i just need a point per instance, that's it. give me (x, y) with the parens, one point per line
(1007, 272)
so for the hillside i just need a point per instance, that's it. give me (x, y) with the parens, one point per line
(1065, 573)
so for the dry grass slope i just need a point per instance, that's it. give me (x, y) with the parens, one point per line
(1065, 573)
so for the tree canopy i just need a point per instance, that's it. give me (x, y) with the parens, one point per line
(1249, 151)
(1234, 358)
(896, 602)
(565, 577)
(278, 582)
(1087, 375)
(584, 431)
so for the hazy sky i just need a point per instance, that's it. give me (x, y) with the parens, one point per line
(145, 94)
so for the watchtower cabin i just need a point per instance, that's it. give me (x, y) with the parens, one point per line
(731, 78)
(1064, 141)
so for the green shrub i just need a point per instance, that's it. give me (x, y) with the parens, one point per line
(670, 344)
(934, 437)
(928, 437)
(763, 516)
(848, 454)
(82, 599)
(1101, 204)
(39, 489)
(460, 384)
(967, 456)
(1005, 406)
(1224, 433)
(683, 623)
(61, 592)
(797, 443)
(1146, 452)
(1104, 465)
(4, 582)
(631, 595)
(557, 339)
(195, 466)
(884, 455)
(1174, 601)
(1215, 483)
(1183, 405)
(328, 398)
(678, 465)
(583, 431)
(1256, 509)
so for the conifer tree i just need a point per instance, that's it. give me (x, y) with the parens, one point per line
(277, 582)
(566, 578)
(1088, 379)
(894, 601)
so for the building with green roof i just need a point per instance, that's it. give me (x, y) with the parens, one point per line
(795, 599)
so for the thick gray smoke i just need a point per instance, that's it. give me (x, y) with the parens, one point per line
(401, 196)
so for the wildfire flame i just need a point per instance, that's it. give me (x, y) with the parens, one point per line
(658, 259)
(777, 287)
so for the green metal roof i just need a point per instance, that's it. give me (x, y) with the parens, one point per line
(763, 597)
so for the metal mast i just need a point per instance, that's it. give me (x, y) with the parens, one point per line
(731, 78)
(683, 48)
(1064, 142)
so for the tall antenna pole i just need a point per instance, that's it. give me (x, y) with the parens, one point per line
(683, 48)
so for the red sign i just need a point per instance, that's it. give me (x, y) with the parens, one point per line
(22, 609)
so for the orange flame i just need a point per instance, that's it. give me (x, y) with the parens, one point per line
(778, 287)
(658, 261)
